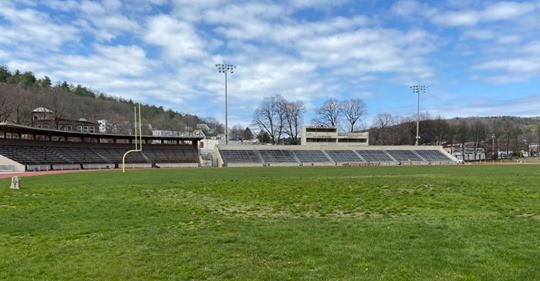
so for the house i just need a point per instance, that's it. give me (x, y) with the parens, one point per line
(45, 118)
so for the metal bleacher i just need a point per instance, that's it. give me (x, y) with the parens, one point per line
(277, 156)
(405, 155)
(57, 154)
(330, 155)
(240, 156)
(311, 156)
(343, 156)
(375, 155)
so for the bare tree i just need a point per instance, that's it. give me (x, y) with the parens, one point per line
(294, 112)
(353, 110)
(440, 130)
(538, 133)
(479, 134)
(215, 126)
(270, 117)
(329, 113)
(55, 99)
(382, 123)
(236, 132)
(21, 103)
(5, 104)
(510, 135)
(463, 135)
(451, 135)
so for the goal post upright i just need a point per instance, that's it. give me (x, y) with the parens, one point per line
(138, 135)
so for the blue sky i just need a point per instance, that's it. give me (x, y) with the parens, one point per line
(479, 58)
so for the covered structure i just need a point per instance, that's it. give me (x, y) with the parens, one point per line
(320, 135)
(45, 149)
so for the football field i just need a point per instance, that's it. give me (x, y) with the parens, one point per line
(301, 223)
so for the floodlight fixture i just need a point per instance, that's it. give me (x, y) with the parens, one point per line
(226, 68)
(418, 89)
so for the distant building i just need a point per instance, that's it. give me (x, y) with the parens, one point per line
(166, 133)
(319, 135)
(471, 154)
(102, 126)
(203, 127)
(44, 118)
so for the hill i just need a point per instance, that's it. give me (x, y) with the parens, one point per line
(20, 93)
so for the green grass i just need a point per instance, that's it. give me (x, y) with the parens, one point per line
(319, 223)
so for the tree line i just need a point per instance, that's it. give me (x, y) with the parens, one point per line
(505, 133)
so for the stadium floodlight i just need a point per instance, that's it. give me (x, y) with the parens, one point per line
(418, 89)
(226, 68)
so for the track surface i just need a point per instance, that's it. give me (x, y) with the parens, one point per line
(32, 174)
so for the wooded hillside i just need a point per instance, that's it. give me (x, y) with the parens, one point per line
(20, 93)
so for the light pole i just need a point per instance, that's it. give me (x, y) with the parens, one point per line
(493, 146)
(418, 89)
(225, 68)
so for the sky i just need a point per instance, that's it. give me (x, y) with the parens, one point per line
(478, 58)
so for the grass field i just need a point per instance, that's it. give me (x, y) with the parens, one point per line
(331, 223)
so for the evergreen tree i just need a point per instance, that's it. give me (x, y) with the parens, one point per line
(5, 74)
(247, 134)
(15, 77)
(45, 82)
(27, 80)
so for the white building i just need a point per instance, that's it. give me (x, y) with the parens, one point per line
(317, 135)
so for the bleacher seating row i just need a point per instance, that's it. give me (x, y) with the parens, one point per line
(303, 157)
(45, 155)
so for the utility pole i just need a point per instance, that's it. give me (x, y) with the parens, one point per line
(418, 89)
(225, 68)
(493, 147)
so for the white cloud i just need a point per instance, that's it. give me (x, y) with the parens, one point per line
(457, 18)
(478, 34)
(115, 70)
(178, 39)
(493, 106)
(512, 65)
(316, 3)
(507, 10)
(523, 65)
(105, 20)
(91, 8)
(30, 26)
(411, 8)
(63, 5)
(466, 14)
(371, 50)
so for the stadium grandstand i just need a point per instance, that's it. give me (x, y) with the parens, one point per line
(325, 155)
(25, 148)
